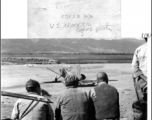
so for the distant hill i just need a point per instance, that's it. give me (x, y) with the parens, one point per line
(69, 45)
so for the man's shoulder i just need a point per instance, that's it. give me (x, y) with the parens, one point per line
(19, 101)
(62, 93)
(71, 91)
(108, 86)
(36, 95)
(142, 46)
(112, 87)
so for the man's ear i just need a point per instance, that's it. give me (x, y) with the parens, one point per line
(97, 81)
(107, 80)
(38, 91)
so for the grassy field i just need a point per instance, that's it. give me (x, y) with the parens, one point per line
(69, 58)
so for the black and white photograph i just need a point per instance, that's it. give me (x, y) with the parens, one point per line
(76, 60)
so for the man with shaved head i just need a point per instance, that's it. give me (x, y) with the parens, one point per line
(102, 76)
(105, 99)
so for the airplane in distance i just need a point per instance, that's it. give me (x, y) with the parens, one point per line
(62, 70)
(74, 69)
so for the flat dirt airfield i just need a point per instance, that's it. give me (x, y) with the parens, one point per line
(14, 78)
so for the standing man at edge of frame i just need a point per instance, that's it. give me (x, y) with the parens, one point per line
(139, 65)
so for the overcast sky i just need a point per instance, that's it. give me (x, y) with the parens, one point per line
(135, 18)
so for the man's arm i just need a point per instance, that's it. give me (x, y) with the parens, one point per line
(15, 112)
(91, 107)
(119, 106)
(135, 65)
(135, 61)
(58, 109)
(49, 113)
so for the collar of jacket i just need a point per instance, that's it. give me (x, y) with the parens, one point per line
(101, 83)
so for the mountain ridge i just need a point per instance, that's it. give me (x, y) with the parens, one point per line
(127, 45)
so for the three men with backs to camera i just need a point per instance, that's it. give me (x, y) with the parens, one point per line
(101, 103)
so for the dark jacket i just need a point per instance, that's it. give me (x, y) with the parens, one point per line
(106, 102)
